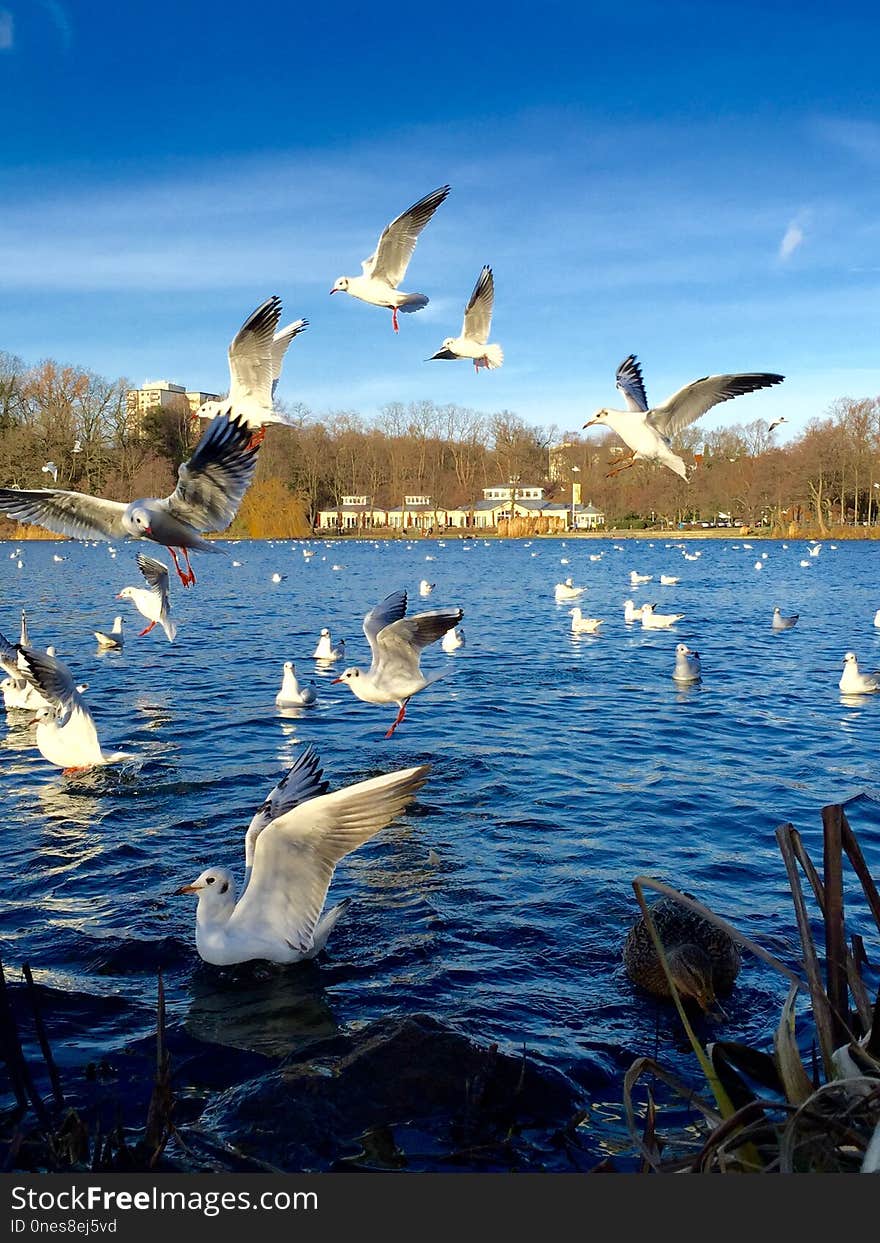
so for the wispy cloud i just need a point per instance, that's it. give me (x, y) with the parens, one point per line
(854, 136)
(793, 238)
(7, 31)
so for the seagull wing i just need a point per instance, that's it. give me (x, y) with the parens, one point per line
(692, 401)
(280, 342)
(156, 574)
(9, 657)
(250, 355)
(389, 610)
(295, 855)
(398, 241)
(211, 484)
(631, 384)
(400, 644)
(304, 781)
(478, 312)
(67, 513)
(24, 638)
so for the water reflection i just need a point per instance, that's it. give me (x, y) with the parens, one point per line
(261, 1008)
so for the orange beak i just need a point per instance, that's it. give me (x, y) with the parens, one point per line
(335, 680)
(591, 422)
(186, 889)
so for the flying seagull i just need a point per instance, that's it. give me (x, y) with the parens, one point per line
(50, 469)
(475, 329)
(396, 642)
(210, 487)
(292, 848)
(386, 266)
(256, 356)
(153, 604)
(647, 431)
(776, 423)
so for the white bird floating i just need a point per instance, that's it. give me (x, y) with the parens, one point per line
(583, 625)
(111, 640)
(783, 623)
(396, 642)
(425, 588)
(631, 613)
(815, 550)
(325, 649)
(278, 578)
(687, 665)
(854, 683)
(647, 431)
(453, 639)
(668, 580)
(471, 343)
(658, 621)
(153, 604)
(386, 267)
(66, 734)
(292, 847)
(567, 591)
(635, 578)
(877, 618)
(291, 694)
(256, 357)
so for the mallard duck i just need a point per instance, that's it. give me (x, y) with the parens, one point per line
(703, 960)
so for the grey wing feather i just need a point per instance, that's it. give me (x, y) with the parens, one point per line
(250, 354)
(212, 482)
(389, 610)
(692, 401)
(280, 342)
(303, 781)
(156, 574)
(478, 312)
(391, 257)
(50, 676)
(74, 514)
(631, 385)
(400, 644)
(8, 657)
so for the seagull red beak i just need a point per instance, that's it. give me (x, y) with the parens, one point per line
(186, 889)
(336, 291)
(148, 530)
(335, 680)
(591, 422)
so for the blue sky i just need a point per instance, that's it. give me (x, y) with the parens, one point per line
(694, 183)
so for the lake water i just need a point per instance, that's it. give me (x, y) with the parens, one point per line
(562, 767)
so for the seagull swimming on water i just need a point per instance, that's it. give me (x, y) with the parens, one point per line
(155, 603)
(783, 623)
(471, 343)
(111, 640)
(256, 356)
(583, 625)
(386, 267)
(291, 694)
(325, 649)
(658, 621)
(687, 665)
(66, 733)
(210, 487)
(852, 682)
(396, 642)
(292, 847)
(646, 431)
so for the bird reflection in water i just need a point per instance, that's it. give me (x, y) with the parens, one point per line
(260, 1007)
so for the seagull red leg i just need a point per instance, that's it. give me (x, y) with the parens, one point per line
(256, 440)
(146, 630)
(401, 714)
(192, 577)
(394, 319)
(180, 574)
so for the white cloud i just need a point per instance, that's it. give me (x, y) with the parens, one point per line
(7, 30)
(792, 239)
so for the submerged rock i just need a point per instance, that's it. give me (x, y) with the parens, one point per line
(402, 1093)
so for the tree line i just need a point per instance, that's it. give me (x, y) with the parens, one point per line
(827, 476)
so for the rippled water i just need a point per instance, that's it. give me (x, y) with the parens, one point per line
(562, 767)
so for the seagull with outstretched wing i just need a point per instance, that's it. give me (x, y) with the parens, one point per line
(647, 431)
(256, 356)
(397, 642)
(210, 487)
(386, 267)
(292, 847)
(475, 329)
